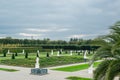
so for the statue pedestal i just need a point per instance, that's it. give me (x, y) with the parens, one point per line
(38, 71)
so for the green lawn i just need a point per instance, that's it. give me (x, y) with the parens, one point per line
(9, 70)
(44, 61)
(77, 78)
(76, 67)
(33, 55)
(53, 60)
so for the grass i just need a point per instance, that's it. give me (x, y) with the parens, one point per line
(44, 61)
(31, 55)
(42, 54)
(76, 67)
(9, 70)
(53, 60)
(77, 78)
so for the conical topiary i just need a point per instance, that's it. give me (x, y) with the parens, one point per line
(16, 54)
(26, 55)
(13, 56)
(47, 55)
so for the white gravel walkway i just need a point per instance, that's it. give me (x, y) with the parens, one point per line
(24, 74)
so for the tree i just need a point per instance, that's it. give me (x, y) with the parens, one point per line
(110, 51)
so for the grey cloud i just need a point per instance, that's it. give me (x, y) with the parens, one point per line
(80, 16)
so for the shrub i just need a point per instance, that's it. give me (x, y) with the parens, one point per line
(78, 53)
(13, 56)
(26, 54)
(16, 54)
(47, 55)
(37, 55)
(4, 52)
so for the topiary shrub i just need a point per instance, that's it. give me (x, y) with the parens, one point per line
(4, 52)
(47, 55)
(16, 54)
(66, 52)
(37, 55)
(13, 56)
(26, 55)
(78, 53)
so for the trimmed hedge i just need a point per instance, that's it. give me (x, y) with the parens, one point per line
(26, 49)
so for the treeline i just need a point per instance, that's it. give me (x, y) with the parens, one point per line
(31, 42)
(72, 44)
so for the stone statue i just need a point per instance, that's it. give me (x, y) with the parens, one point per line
(23, 51)
(71, 52)
(37, 70)
(58, 53)
(51, 52)
(85, 57)
(38, 51)
(8, 52)
(37, 63)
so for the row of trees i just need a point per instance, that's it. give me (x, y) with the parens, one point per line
(73, 44)
(49, 48)
(9, 40)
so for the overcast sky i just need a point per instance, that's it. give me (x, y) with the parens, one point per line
(57, 19)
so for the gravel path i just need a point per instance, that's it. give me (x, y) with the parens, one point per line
(24, 74)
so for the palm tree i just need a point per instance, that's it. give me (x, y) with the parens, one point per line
(110, 52)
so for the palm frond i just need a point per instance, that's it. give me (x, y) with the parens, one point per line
(110, 50)
(113, 38)
(100, 71)
(113, 70)
(103, 52)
